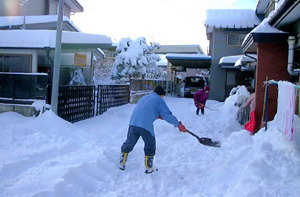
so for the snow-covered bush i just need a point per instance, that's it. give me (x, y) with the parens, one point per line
(103, 72)
(136, 59)
(77, 78)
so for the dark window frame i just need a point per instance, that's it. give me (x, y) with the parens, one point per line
(2, 59)
(240, 39)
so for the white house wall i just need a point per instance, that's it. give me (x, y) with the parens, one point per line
(31, 52)
(67, 59)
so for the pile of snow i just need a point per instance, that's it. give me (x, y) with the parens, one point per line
(48, 156)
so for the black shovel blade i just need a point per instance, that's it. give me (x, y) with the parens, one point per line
(208, 142)
(205, 141)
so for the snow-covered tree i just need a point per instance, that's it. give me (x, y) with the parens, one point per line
(136, 59)
(77, 78)
(103, 72)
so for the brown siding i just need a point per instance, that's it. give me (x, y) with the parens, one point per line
(271, 63)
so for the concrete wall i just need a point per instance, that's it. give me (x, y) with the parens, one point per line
(219, 49)
(25, 110)
(272, 63)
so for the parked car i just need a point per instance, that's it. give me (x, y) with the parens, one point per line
(193, 84)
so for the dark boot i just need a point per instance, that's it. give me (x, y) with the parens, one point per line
(123, 159)
(202, 111)
(149, 164)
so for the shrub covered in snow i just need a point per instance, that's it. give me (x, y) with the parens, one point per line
(136, 59)
(77, 78)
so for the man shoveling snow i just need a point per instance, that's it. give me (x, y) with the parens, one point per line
(147, 110)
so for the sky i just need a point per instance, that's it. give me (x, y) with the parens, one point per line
(162, 21)
(46, 156)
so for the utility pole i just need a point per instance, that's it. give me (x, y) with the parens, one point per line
(56, 66)
(23, 4)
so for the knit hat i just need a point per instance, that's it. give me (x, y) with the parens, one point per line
(160, 90)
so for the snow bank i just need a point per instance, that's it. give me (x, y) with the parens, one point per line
(47, 156)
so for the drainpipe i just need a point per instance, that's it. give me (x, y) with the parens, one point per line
(291, 42)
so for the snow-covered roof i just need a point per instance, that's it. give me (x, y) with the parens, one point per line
(229, 59)
(245, 58)
(231, 18)
(18, 20)
(179, 49)
(188, 56)
(47, 38)
(236, 60)
(264, 27)
(163, 60)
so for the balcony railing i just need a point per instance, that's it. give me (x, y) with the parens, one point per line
(23, 87)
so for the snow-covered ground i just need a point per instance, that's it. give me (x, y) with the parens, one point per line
(47, 156)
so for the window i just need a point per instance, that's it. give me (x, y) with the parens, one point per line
(235, 39)
(15, 63)
(230, 78)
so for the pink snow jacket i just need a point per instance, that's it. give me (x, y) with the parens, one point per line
(201, 96)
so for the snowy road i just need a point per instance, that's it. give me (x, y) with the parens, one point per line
(47, 156)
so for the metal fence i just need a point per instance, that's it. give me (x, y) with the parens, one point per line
(76, 103)
(111, 96)
(21, 87)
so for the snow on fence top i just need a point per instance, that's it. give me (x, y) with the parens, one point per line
(47, 38)
(231, 18)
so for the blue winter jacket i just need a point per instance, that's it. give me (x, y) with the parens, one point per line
(147, 111)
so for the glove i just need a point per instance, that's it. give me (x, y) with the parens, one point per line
(181, 127)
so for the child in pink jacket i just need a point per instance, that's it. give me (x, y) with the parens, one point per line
(200, 98)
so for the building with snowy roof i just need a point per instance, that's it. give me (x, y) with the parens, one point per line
(225, 30)
(276, 43)
(27, 45)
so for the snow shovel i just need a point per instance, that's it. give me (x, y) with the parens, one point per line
(206, 141)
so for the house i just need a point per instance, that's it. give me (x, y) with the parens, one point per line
(169, 54)
(276, 42)
(225, 30)
(27, 45)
